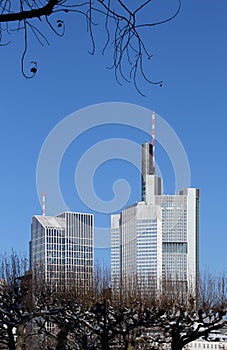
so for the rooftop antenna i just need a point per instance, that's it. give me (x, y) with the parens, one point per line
(43, 203)
(153, 137)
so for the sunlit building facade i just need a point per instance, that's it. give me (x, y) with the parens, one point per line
(62, 248)
(136, 246)
(156, 239)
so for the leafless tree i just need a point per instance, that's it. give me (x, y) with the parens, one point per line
(123, 23)
(139, 319)
(185, 317)
(101, 318)
(14, 314)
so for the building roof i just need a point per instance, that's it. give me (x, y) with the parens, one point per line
(51, 222)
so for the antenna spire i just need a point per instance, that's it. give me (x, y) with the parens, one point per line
(153, 137)
(43, 203)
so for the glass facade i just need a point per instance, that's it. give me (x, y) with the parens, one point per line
(174, 237)
(161, 230)
(136, 246)
(62, 247)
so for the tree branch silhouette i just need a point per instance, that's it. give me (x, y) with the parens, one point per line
(122, 25)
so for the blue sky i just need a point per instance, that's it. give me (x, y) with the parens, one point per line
(190, 55)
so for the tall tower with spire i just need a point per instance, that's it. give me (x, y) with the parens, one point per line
(151, 183)
(156, 239)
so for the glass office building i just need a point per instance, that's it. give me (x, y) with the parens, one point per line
(156, 239)
(62, 248)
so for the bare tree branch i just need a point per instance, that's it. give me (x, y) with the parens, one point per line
(46, 10)
(122, 25)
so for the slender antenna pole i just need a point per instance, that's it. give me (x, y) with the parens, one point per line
(44, 203)
(153, 136)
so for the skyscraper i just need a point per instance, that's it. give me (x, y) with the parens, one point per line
(62, 248)
(156, 239)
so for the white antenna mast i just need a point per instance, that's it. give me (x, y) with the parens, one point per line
(153, 136)
(43, 203)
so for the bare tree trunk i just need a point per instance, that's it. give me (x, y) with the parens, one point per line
(104, 337)
(104, 342)
(11, 343)
(131, 341)
(130, 346)
(20, 337)
(62, 339)
(176, 344)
